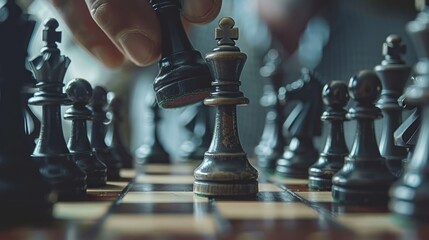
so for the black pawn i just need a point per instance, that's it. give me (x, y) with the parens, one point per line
(151, 151)
(197, 123)
(24, 195)
(184, 77)
(364, 178)
(331, 159)
(303, 124)
(79, 92)
(393, 73)
(98, 134)
(51, 151)
(113, 136)
(272, 143)
(225, 170)
(410, 195)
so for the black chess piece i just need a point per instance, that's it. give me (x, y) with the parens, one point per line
(98, 134)
(272, 144)
(24, 194)
(151, 151)
(113, 136)
(184, 77)
(364, 178)
(303, 124)
(51, 151)
(32, 124)
(410, 195)
(197, 123)
(393, 73)
(80, 92)
(225, 170)
(331, 159)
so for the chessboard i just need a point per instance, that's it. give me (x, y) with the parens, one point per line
(158, 203)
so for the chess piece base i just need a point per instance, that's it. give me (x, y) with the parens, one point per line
(95, 170)
(113, 165)
(295, 164)
(67, 179)
(225, 174)
(269, 162)
(184, 78)
(321, 173)
(219, 189)
(410, 202)
(362, 182)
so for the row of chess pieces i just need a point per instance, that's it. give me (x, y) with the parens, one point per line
(393, 171)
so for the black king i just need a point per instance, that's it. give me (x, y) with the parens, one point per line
(51, 151)
(225, 170)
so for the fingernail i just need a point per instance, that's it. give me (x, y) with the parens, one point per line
(138, 47)
(107, 56)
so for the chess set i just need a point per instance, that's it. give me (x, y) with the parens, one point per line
(93, 188)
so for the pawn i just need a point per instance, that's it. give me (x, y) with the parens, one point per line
(151, 151)
(393, 73)
(364, 178)
(113, 136)
(335, 96)
(184, 77)
(98, 134)
(79, 92)
(272, 143)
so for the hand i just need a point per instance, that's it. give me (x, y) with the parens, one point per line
(113, 30)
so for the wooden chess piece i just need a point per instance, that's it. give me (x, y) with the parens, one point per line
(79, 92)
(24, 194)
(151, 151)
(197, 122)
(113, 136)
(272, 144)
(393, 73)
(51, 151)
(184, 77)
(98, 134)
(303, 124)
(225, 170)
(331, 159)
(364, 178)
(410, 195)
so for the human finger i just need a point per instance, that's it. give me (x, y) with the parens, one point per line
(132, 26)
(87, 33)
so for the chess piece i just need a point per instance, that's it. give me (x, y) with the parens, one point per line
(51, 151)
(335, 96)
(393, 74)
(272, 143)
(32, 124)
(303, 124)
(184, 77)
(364, 178)
(24, 194)
(151, 151)
(197, 122)
(98, 134)
(113, 136)
(225, 170)
(80, 92)
(410, 195)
